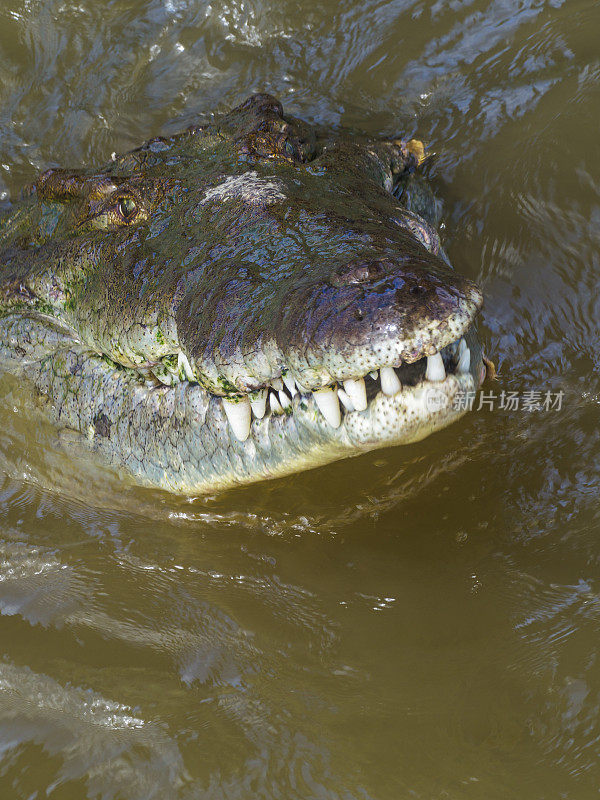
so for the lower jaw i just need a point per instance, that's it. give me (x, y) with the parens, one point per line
(156, 440)
(303, 440)
(407, 416)
(411, 414)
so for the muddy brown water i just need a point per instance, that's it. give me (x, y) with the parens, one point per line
(421, 622)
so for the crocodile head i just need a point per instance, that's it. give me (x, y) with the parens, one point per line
(247, 299)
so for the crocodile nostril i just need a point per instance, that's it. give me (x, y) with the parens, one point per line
(358, 272)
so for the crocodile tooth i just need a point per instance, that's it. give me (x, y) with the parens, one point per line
(164, 376)
(346, 400)
(329, 405)
(275, 404)
(464, 362)
(390, 384)
(258, 403)
(183, 363)
(290, 384)
(462, 346)
(357, 392)
(284, 400)
(239, 415)
(435, 368)
(277, 384)
(373, 374)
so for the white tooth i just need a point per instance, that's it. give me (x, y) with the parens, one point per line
(290, 383)
(346, 400)
(284, 400)
(274, 403)
(258, 402)
(435, 368)
(277, 384)
(390, 384)
(357, 392)
(182, 362)
(239, 416)
(464, 362)
(373, 374)
(165, 378)
(462, 346)
(328, 403)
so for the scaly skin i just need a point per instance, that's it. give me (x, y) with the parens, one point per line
(148, 301)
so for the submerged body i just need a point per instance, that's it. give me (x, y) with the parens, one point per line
(245, 300)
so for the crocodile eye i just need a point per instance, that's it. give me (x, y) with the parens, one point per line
(126, 207)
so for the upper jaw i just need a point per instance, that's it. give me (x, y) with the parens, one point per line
(406, 339)
(390, 342)
(327, 336)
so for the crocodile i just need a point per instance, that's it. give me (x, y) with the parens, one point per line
(251, 297)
